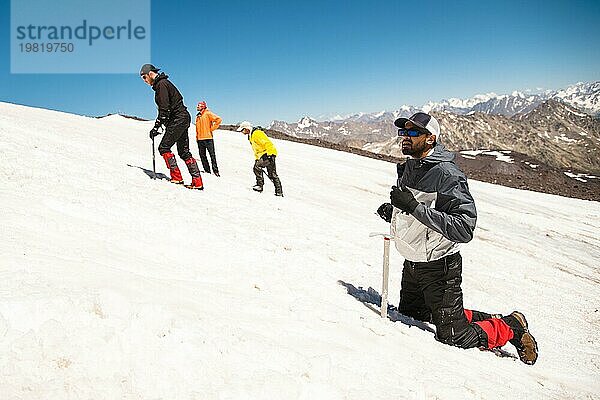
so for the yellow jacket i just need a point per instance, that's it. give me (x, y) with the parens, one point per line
(206, 123)
(261, 144)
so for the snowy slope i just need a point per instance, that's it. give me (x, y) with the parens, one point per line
(114, 286)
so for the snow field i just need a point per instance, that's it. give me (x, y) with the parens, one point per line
(113, 285)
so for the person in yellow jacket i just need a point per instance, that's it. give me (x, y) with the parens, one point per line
(206, 123)
(264, 154)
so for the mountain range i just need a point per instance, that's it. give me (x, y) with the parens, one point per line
(560, 128)
(583, 96)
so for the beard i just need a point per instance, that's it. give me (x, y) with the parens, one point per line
(408, 148)
(411, 149)
(408, 151)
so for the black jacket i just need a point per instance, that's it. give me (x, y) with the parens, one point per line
(169, 101)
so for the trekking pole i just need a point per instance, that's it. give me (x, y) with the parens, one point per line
(386, 271)
(153, 159)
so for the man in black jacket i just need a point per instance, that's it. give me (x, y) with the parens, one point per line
(174, 116)
(432, 212)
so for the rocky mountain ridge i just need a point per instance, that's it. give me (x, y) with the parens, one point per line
(554, 131)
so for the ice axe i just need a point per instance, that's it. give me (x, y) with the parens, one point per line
(386, 271)
(153, 159)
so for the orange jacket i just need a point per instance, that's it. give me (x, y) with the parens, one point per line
(206, 123)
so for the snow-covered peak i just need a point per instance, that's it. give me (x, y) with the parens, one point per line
(584, 96)
(458, 104)
(306, 122)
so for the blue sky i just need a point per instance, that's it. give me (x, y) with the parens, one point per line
(265, 60)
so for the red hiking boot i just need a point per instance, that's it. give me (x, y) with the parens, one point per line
(195, 173)
(196, 184)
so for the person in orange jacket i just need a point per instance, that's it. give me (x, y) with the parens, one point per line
(206, 123)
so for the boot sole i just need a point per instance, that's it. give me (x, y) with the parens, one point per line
(527, 341)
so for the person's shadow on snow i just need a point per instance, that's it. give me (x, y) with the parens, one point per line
(371, 297)
(159, 175)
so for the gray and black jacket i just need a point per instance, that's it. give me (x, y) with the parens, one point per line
(446, 215)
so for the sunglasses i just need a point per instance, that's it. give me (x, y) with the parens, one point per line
(410, 132)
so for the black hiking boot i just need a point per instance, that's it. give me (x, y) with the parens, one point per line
(257, 188)
(523, 341)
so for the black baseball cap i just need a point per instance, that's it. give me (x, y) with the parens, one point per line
(421, 120)
(147, 68)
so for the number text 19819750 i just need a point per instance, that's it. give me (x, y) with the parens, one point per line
(55, 47)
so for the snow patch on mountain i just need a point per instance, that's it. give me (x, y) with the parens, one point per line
(580, 177)
(503, 155)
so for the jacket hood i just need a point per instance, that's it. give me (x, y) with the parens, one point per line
(160, 77)
(440, 154)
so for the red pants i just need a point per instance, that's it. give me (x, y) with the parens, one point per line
(498, 332)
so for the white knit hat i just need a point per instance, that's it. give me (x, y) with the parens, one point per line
(244, 125)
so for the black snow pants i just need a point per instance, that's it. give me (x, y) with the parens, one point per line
(208, 144)
(177, 132)
(267, 162)
(431, 292)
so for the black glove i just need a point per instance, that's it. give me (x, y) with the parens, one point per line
(403, 199)
(266, 157)
(385, 211)
(154, 132)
